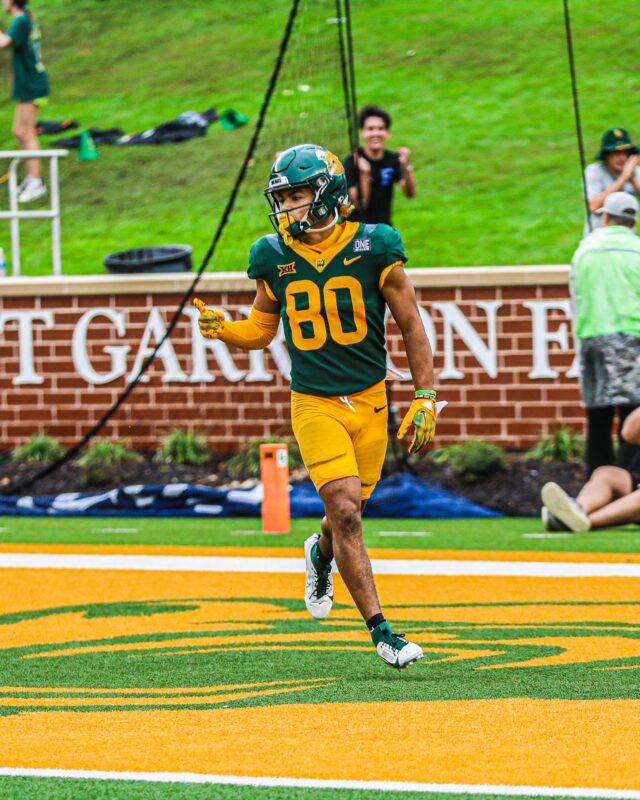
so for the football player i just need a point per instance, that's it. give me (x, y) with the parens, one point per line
(329, 280)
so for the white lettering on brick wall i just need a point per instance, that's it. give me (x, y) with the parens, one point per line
(486, 354)
(25, 319)
(155, 328)
(543, 337)
(118, 353)
(483, 348)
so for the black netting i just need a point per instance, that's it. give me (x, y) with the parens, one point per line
(308, 99)
(308, 105)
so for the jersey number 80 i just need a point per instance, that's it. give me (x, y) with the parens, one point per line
(319, 318)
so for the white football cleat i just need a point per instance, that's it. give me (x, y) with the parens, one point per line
(393, 648)
(318, 593)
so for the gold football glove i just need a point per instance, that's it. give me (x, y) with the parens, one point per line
(210, 322)
(422, 415)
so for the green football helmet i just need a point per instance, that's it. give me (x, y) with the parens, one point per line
(321, 171)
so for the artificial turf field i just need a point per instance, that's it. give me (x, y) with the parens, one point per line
(175, 659)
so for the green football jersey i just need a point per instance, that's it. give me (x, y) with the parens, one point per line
(30, 80)
(331, 304)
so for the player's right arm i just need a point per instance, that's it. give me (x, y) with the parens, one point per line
(254, 333)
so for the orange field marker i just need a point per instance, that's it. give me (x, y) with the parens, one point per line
(274, 474)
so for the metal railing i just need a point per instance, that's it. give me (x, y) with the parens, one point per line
(52, 213)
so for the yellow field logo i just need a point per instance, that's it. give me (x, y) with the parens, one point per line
(182, 653)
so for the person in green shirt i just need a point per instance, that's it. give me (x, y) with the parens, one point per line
(328, 280)
(30, 89)
(605, 293)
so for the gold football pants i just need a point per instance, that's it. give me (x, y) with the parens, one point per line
(342, 437)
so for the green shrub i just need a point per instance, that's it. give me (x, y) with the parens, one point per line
(563, 445)
(103, 460)
(246, 462)
(38, 448)
(471, 459)
(181, 447)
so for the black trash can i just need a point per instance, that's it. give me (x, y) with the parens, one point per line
(165, 258)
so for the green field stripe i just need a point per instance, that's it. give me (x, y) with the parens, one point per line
(73, 789)
(446, 534)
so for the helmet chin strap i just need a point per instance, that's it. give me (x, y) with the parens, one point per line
(326, 227)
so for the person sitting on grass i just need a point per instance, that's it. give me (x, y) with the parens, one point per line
(610, 497)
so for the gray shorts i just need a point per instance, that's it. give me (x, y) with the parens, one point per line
(610, 370)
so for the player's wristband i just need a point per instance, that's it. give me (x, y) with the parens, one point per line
(430, 393)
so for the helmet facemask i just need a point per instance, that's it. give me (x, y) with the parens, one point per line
(318, 210)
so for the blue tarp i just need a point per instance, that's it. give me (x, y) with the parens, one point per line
(402, 496)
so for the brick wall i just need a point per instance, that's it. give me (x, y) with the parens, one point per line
(502, 341)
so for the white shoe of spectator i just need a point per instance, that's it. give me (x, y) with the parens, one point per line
(549, 522)
(33, 189)
(564, 508)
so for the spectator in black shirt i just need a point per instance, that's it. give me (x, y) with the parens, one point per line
(371, 178)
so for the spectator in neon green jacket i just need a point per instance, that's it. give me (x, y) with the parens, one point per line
(605, 290)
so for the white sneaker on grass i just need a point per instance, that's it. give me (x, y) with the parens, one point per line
(549, 522)
(393, 648)
(33, 189)
(564, 508)
(318, 593)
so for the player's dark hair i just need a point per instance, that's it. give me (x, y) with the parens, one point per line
(373, 111)
(628, 223)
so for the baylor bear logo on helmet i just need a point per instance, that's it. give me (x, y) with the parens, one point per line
(334, 165)
(313, 167)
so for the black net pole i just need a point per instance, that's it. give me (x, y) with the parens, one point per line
(576, 108)
(346, 85)
(75, 449)
(352, 72)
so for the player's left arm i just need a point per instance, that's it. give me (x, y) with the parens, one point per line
(398, 292)
(408, 176)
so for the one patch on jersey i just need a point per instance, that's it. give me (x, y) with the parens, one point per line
(286, 269)
(321, 263)
(362, 246)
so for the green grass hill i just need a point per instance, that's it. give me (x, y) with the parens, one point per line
(479, 91)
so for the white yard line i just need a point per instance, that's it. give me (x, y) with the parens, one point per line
(245, 533)
(401, 533)
(392, 566)
(314, 783)
(114, 530)
(546, 535)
